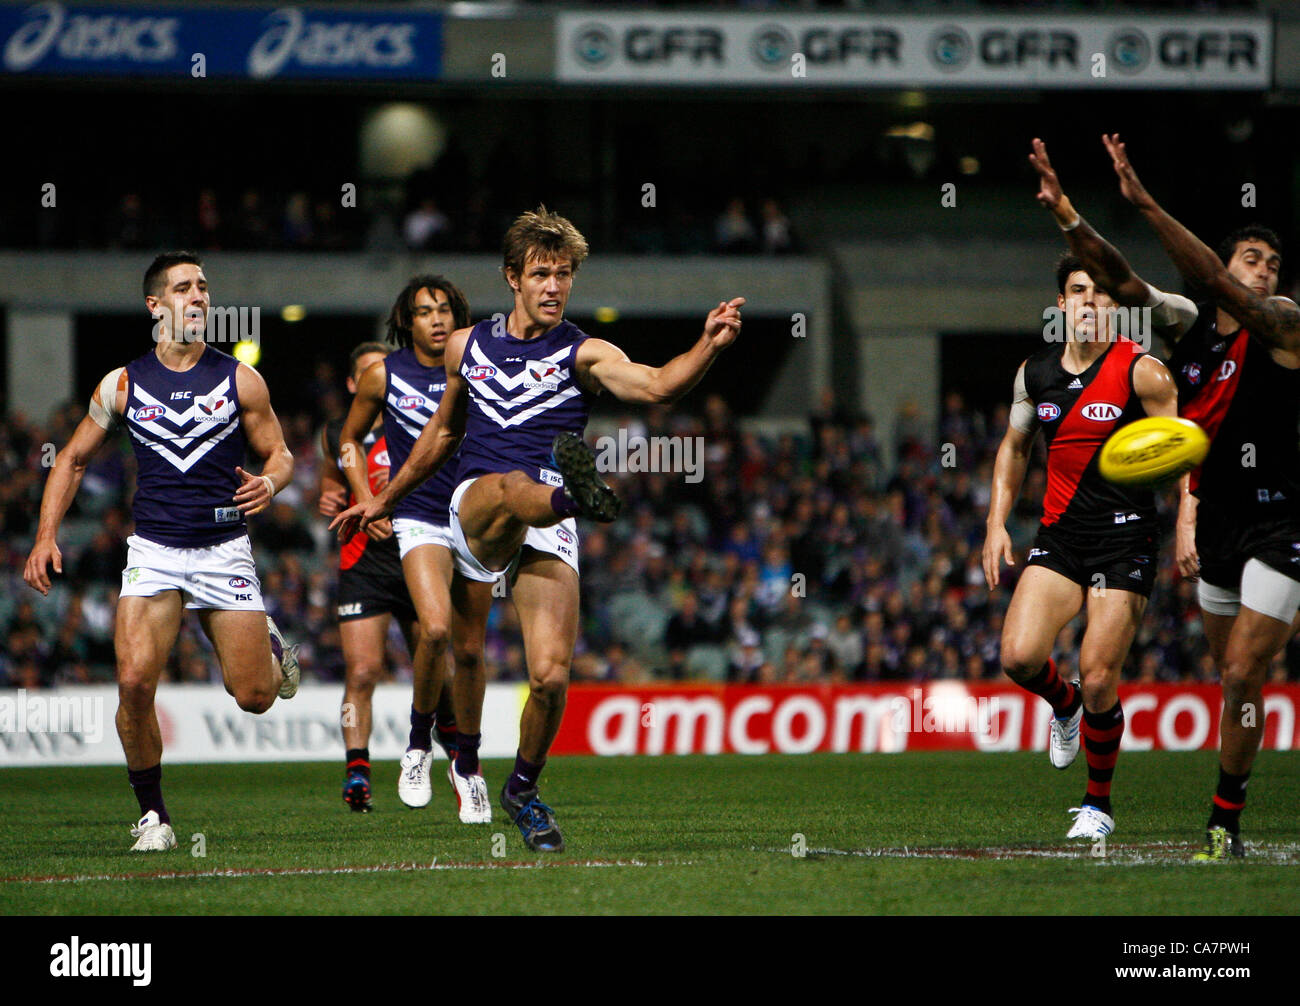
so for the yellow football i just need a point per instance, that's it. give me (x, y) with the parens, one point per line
(1151, 451)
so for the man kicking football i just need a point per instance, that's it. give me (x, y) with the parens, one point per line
(1096, 543)
(519, 392)
(191, 411)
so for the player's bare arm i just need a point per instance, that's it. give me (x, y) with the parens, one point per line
(1171, 314)
(62, 485)
(333, 490)
(366, 406)
(1158, 393)
(603, 366)
(1189, 562)
(436, 443)
(1275, 320)
(1008, 475)
(265, 439)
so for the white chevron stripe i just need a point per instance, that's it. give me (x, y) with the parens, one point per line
(527, 414)
(509, 399)
(186, 463)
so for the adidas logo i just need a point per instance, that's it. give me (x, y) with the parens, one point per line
(1075, 385)
(1135, 575)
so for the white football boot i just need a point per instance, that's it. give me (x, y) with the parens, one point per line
(288, 662)
(1063, 744)
(413, 785)
(1089, 822)
(152, 835)
(471, 796)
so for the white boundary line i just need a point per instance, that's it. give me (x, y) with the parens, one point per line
(1116, 853)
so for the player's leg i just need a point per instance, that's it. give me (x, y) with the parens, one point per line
(546, 597)
(363, 658)
(145, 631)
(470, 601)
(1270, 601)
(1043, 603)
(1113, 618)
(427, 571)
(242, 641)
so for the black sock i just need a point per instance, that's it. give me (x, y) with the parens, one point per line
(421, 731)
(1229, 799)
(467, 753)
(359, 761)
(444, 720)
(525, 775)
(147, 783)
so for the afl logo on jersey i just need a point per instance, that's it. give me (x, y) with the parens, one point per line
(238, 582)
(481, 372)
(410, 402)
(1227, 370)
(1047, 411)
(1101, 412)
(563, 535)
(1193, 373)
(145, 413)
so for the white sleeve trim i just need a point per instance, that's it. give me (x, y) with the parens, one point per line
(104, 412)
(1171, 312)
(1024, 416)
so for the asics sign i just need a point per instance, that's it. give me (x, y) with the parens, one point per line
(234, 41)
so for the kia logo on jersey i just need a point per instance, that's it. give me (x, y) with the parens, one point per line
(481, 372)
(145, 413)
(1101, 412)
(1047, 411)
(1227, 370)
(410, 402)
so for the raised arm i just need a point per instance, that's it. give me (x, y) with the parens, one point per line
(603, 366)
(432, 449)
(265, 439)
(1275, 320)
(1171, 314)
(1008, 475)
(65, 478)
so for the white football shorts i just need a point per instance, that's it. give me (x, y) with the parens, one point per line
(1263, 589)
(214, 576)
(412, 533)
(559, 540)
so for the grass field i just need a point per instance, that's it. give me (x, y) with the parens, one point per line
(900, 834)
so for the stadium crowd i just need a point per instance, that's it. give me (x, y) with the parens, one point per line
(804, 556)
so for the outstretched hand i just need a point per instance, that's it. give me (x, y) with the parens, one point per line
(362, 517)
(723, 323)
(1129, 186)
(1049, 186)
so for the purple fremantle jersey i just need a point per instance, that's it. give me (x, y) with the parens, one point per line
(186, 431)
(522, 393)
(411, 398)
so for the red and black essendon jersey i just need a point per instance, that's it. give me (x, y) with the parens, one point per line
(1249, 405)
(383, 556)
(1077, 413)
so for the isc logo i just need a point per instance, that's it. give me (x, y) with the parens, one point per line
(1101, 412)
(147, 412)
(410, 402)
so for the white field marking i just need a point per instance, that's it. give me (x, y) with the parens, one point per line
(311, 871)
(1117, 853)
